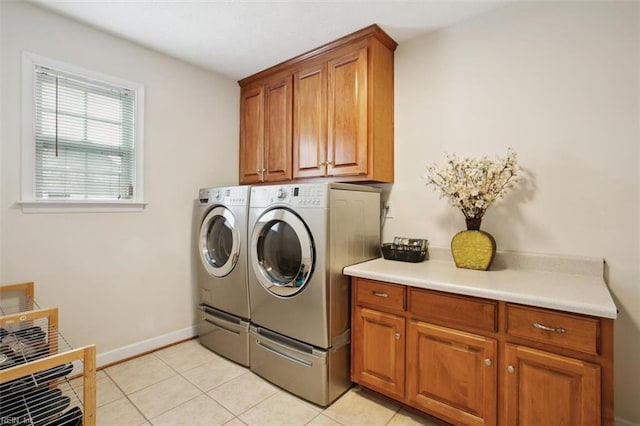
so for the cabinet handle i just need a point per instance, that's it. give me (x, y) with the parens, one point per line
(551, 329)
(329, 163)
(488, 362)
(397, 336)
(322, 164)
(511, 369)
(375, 293)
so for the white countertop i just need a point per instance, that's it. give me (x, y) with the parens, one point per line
(578, 293)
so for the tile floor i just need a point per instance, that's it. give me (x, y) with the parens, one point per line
(186, 384)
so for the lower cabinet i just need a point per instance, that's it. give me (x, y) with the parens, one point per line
(380, 361)
(452, 373)
(472, 361)
(543, 388)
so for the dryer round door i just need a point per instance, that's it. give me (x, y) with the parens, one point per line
(219, 242)
(282, 252)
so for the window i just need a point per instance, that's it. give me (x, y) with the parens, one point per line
(82, 139)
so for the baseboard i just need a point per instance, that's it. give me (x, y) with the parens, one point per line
(623, 422)
(144, 346)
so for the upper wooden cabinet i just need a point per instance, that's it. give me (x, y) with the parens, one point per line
(339, 122)
(265, 130)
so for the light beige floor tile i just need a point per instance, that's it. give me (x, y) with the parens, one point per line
(243, 392)
(200, 411)
(322, 420)
(409, 418)
(358, 407)
(281, 409)
(163, 396)
(138, 373)
(106, 391)
(213, 373)
(235, 422)
(119, 413)
(185, 356)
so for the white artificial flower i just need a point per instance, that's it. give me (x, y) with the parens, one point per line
(473, 185)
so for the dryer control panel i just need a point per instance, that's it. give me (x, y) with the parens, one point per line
(298, 196)
(229, 196)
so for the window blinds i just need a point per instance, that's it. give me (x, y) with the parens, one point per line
(84, 139)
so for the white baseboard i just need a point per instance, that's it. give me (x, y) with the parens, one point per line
(623, 422)
(139, 348)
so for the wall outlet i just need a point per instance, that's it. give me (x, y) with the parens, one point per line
(389, 211)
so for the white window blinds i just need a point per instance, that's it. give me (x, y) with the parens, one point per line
(85, 139)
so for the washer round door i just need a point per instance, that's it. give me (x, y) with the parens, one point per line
(282, 252)
(219, 242)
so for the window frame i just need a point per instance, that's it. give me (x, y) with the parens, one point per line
(29, 203)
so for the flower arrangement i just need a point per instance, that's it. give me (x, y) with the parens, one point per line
(473, 185)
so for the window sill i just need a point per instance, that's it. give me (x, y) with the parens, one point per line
(80, 206)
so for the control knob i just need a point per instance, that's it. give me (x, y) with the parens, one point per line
(281, 194)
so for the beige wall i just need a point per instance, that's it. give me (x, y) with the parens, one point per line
(558, 82)
(118, 278)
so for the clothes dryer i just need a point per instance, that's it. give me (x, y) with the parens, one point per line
(301, 238)
(221, 218)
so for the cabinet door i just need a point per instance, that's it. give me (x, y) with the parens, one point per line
(251, 134)
(310, 122)
(277, 136)
(347, 115)
(543, 388)
(452, 374)
(378, 351)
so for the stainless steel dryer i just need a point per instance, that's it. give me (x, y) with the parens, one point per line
(221, 217)
(301, 238)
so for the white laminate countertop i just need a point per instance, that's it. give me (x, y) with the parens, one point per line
(570, 292)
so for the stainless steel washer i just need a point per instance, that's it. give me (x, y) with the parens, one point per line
(301, 238)
(220, 229)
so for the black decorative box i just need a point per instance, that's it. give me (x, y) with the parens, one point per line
(405, 249)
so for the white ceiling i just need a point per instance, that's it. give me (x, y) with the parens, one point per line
(238, 38)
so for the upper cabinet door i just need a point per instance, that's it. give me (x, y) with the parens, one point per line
(251, 134)
(347, 114)
(277, 137)
(310, 121)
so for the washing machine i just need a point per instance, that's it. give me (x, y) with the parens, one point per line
(301, 238)
(220, 222)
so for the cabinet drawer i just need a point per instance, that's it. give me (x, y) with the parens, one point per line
(568, 331)
(453, 310)
(379, 294)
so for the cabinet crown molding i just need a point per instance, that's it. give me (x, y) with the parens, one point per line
(372, 31)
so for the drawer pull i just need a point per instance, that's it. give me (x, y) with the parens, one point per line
(397, 336)
(375, 293)
(488, 362)
(551, 329)
(511, 369)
